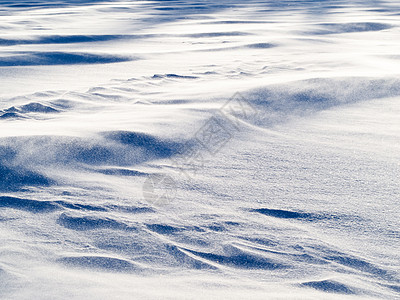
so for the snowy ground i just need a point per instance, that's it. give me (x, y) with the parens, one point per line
(199, 149)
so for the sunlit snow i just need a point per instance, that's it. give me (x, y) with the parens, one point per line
(199, 149)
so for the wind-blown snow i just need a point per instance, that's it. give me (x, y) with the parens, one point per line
(295, 196)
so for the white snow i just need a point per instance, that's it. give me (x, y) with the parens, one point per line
(199, 149)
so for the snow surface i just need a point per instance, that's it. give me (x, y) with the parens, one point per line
(199, 149)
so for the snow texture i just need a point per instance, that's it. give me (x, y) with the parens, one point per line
(199, 149)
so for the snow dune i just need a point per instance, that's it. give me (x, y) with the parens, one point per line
(199, 150)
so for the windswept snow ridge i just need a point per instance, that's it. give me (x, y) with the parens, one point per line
(199, 149)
